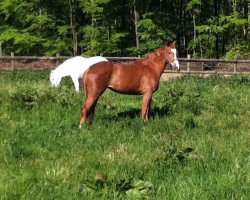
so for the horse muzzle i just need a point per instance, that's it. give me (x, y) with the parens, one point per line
(175, 63)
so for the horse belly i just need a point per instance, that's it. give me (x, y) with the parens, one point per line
(125, 84)
(127, 90)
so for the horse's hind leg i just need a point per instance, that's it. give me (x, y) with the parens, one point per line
(84, 113)
(93, 90)
(86, 109)
(92, 112)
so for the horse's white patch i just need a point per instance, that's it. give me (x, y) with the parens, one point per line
(174, 51)
(73, 67)
(54, 79)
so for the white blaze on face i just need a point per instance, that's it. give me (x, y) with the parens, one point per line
(176, 62)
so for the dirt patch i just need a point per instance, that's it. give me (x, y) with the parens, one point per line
(168, 76)
(28, 64)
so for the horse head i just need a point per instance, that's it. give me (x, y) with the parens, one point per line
(172, 59)
(54, 79)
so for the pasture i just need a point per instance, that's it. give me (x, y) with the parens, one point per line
(195, 146)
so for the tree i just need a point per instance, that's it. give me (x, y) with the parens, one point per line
(72, 6)
(223, 34)
(194, 7)
(30, 30)
(151, 35)
(101, 35)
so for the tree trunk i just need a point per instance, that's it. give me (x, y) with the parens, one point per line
(194, 21)
(72, 5)
(1, 52)
(247, 17)
(216, 10)
(136, 17)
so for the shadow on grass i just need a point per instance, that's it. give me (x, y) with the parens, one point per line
(135, 113)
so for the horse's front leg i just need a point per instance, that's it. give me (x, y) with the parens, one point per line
(75, 80)
(146, 104)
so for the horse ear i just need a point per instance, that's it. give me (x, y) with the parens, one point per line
(171, 44)
(174, 44)
(168, 47)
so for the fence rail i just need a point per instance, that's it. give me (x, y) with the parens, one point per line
(119, 59)
(188, 65)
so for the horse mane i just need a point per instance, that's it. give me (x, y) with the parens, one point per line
(146, 58)
(148, 55)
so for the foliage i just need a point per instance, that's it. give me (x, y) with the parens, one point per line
(196, 144)
(151, 35)
(97, 41)
(194, 5)
(214, 32)
(204, 44)
(100, 37)
(31, 30)
(205, 28)
(239, 51)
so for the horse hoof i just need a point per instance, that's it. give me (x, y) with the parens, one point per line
(80, 126)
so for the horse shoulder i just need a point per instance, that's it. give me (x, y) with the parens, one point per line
(149, 81)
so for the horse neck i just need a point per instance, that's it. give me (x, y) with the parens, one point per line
(61, 72)
(158, 63)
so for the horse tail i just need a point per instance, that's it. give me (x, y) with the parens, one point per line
(84, 83)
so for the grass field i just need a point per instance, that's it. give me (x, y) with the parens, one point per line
(195, 146)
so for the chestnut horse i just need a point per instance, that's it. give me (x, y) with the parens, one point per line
(140, 77)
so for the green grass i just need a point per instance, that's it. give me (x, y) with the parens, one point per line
(195, 146)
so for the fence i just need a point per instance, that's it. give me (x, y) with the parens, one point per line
(187, 65)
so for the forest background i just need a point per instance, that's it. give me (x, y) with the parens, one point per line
(203, 28)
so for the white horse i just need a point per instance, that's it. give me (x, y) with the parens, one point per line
(73, 67)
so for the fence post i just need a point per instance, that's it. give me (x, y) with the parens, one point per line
(188, 63)
(235, 64)
(1, 52)
(12, 61)
(57, 59)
